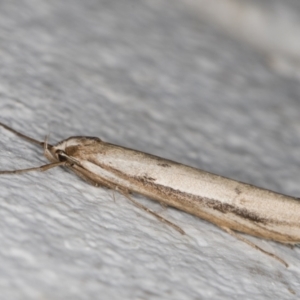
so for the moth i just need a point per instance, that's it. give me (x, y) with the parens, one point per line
(233, 206)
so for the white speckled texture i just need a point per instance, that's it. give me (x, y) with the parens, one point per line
(153, 76)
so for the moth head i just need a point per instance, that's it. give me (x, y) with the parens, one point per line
(55, 153)
(69, 149)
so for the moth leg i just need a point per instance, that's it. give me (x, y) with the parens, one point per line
(88, 176)
(160, 218)
(41, 168)
(239, 237)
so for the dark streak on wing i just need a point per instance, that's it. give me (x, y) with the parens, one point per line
(211, 203)
(164, 165)
(227, 208)
(176, 194)
(190, 203)
(148, 178)
(238, 191)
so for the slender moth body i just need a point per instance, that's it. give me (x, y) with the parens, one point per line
(231, 205)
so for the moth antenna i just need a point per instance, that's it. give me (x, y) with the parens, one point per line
(25, 137)
(41, 168)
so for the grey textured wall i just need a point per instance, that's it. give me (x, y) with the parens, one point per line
(213, 87)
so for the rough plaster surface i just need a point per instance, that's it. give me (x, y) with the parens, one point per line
(153, 76)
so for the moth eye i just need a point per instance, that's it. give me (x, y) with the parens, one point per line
(61, 155)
